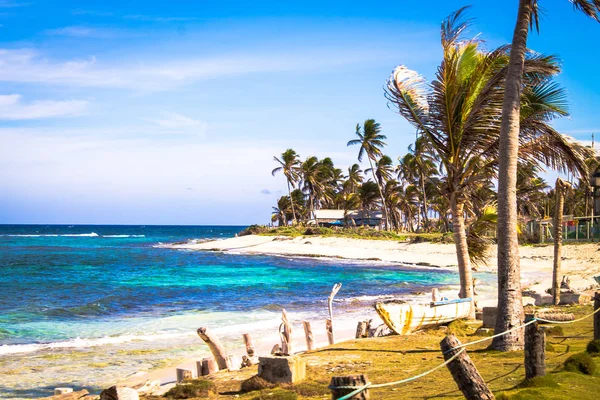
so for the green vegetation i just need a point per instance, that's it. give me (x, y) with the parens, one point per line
(193, 389)
(593, 347)
(581, 362)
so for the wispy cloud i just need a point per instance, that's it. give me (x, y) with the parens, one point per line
(12, 4)
(94, 13)
(29, 66)
(12, 108)
(81, 32)
(178, 122)
(152, 18)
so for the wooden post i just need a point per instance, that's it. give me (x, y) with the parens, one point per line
(207, 366)
(310, 339)
(464, 372)
(249, 345)
(535, 350)
(183, 374)
(361, 330)
(597, 316)
(215, 346)
(355, 381)
(285, 332)
(336, 288)
(329, 329)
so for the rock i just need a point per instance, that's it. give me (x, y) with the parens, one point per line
(528, 301)
(62, 390)
(119, 393)
(150, 387)
(489, 317)
(574, 298)
(290, 369)
(68, 395)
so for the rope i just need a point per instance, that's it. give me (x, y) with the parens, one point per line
(461, 347)
(370, 385)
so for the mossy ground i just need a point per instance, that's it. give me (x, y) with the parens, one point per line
(397, 357)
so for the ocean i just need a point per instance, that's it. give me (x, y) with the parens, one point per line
(84, 306)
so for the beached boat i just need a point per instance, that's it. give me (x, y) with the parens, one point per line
(405, 318)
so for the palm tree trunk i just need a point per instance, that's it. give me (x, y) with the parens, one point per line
(387, 222)
(292, 203)
(425, 218)
(462, 249)
(510, 306)
(558, 222)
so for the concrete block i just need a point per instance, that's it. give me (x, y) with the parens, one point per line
(574, 298)
(274, 369)
(489, 317)
(119, 393)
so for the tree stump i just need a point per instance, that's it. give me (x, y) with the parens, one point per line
(361, 330)
(249, 345)
(597, 316)
(535, 350)
(464, 372)
(285, 332)
(356, 381)
(330, 335)
(183, 374)
(207, 366)
(310, 339)
(215, 346)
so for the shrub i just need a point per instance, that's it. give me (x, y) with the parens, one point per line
(254, 230)
(458, 327)
(581, 362)
(593, 347)
(191, 389)
(316, 230)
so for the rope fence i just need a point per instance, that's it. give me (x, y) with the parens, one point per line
(461, 347)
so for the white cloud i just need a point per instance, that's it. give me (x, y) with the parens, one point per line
(12, 108)
(29, 66)
(78, 31)
(175, 121)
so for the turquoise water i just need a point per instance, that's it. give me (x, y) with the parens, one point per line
(107, 298)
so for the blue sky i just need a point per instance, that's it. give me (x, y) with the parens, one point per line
(171, 113)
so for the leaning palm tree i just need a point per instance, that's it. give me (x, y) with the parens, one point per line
(289, 164)
(371, 142)
(281, 213)
(509, 272)
(312, 183)
(458, 116)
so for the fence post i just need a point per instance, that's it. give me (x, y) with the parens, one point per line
(597, 316)
(535, 350)
(464, 372)
(354, 381)
(249, 345)
(308, 334)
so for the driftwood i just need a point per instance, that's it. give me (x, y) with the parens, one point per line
(362, 330)
(556, 317)
(68, 396)
(464, 372)
(310, 339)
(184, 374)
(215, 347)
(329, 329)
(535, 350)
(351, 380)
(330, 334)
(246, 362)
(249, 345)
(285, 332)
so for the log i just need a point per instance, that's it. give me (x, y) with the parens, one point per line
(215, 346)
(535, 350)
(355, 381)
(464, 372)
(597, 316)
(249, 345)
(68, 396)
(361, 330)
(310, 339)
(184, 374)
(285, 332)
(557, 317)
(329, 329)
(207, 366)
(336, 288)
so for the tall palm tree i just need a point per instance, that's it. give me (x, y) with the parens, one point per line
(312, 183)
(288, 164)
(371, 142)
(354, 179)
(457, 116)
(368, 199)
(510, 310)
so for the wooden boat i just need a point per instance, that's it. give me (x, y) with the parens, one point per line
(405, 318)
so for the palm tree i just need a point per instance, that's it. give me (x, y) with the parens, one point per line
(289, 165)
(510, 310)
(282, 212)
(312, 184)
(371, 142)
(457, 117)
(354, 179)
(368, 199)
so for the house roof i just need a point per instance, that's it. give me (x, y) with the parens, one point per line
(339, 214)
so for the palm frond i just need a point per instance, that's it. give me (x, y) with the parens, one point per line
(591, 8)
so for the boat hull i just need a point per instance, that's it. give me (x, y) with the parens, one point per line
(405, 319)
